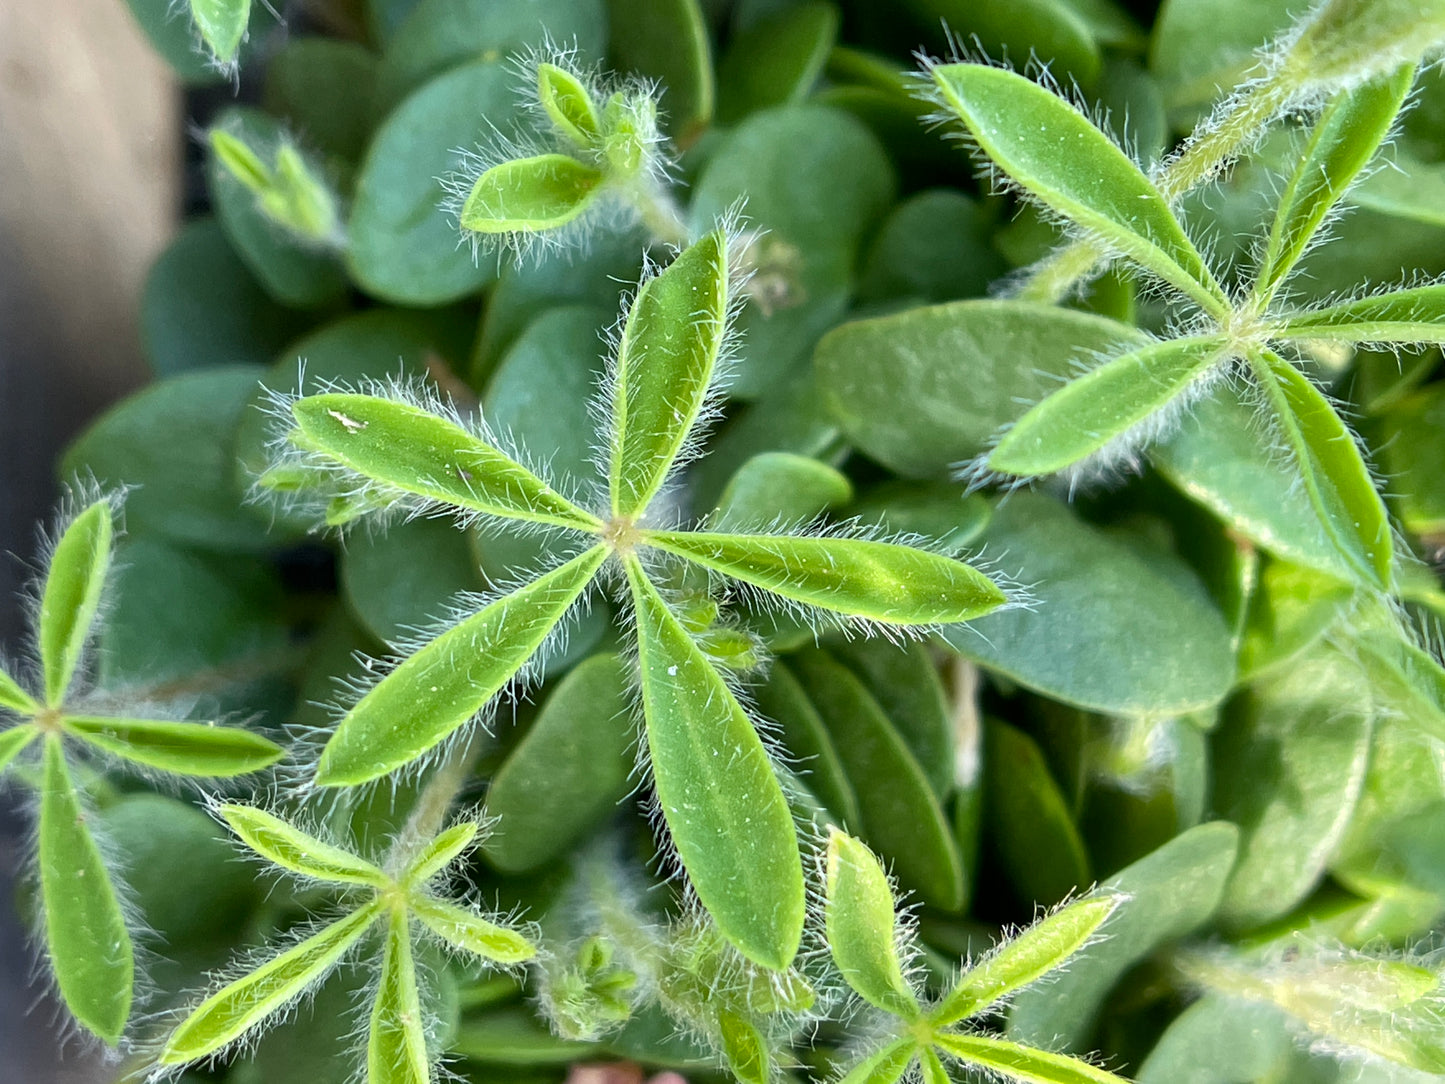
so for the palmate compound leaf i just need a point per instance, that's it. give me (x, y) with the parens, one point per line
(414, 451)
(1024, 1064)
(1043, 947)
(877, 581)
(666, 362)
(1344, 141)
(544, 192)
(722, 802)
(396, 1049)
(1327, 457)
(447, 682)
(861, 922)
(233, 1010)
(1057, 156)
(183, 748)
(1086, 414)
(71, 597)
(85, 932)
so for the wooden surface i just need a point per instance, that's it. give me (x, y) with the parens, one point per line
(89, 192)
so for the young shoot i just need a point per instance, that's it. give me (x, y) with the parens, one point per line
(1054, 156)
(714, 779)
(52, 731)
(397, 897)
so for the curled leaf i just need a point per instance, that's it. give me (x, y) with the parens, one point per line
(527, 195)
(569, 104)
(396, 1047)
(238, 1007)
(290, 848)
(464, 930)
(1043, 947)
(1086, 414)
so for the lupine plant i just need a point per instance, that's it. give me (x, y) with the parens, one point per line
(968, 618)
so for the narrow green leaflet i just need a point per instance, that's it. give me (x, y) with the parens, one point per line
(665, 364)
(184, 748)
(715, 784)
(1345, 139)
(233, 1010)
(290, 848)
(1331, 467)
(1030, 956)
(14, 741)
(464, 930)
(568, 105)
(72, 595)
(15, 698)
(860, 918)
(396, 1048)
(932, 1067)
(446, 683)
(1086, 414)
(1163, 896)
(1399, 316)
(418, 452)
(441, 852)
(745, 1049)
(877, 581)
(1055, 154)
(222, 24)
(1024, 1064)
(530, 194)
(884, 1066)
(89, 945)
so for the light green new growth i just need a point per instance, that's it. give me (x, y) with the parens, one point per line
(397, 1051)
(718, 791)
(291, 192)
(603, 147)
(86, 937)
(222, 26)
(869, 945)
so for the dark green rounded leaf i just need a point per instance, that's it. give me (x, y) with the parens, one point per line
(404, 246)
(570, 770)
(924, 390)
(1156, 645)
(171, 443)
